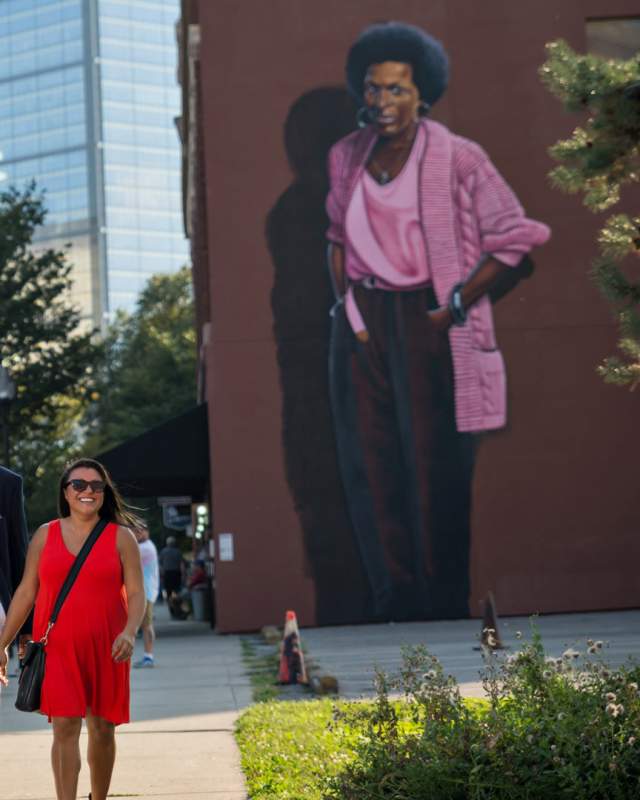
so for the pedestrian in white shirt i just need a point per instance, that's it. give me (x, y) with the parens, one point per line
(151, 574)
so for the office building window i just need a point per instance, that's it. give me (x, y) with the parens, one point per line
(614, 38)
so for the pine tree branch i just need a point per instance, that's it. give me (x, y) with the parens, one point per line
(598, 160)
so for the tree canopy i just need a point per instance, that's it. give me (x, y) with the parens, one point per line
(148, 373)
(599, 158)
(77, 394)
(49, 356)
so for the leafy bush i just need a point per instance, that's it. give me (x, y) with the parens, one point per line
(551, 728)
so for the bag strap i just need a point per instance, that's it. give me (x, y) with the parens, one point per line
(91, 539)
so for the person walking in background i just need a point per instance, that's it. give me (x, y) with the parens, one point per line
(171, 563)
(88, 649)
(151, 575)
(13, 545)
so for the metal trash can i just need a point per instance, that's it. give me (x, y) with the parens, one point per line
(201, 603)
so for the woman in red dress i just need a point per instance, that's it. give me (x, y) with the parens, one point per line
(88, 649)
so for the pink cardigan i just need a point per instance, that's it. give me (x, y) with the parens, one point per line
(468, 210)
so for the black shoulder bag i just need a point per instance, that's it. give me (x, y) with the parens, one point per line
(32, 666)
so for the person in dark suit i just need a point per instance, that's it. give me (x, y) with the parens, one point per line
(13, 541)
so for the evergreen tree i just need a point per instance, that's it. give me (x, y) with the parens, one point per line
(601, 157)
(148, 374)
(49, 357)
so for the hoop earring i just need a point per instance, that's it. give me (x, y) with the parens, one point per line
(363, 117)
(423, 108)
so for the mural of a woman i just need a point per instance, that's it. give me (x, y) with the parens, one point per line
(421, 227)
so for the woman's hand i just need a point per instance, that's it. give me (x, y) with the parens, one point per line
(440, 318)
(123, 645)
(4, 660)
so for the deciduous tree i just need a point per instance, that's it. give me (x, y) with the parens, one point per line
(148, 374)
(50, 357)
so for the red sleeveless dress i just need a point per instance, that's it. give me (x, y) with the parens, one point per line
(80, 672)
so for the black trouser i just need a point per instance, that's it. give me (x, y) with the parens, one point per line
(172, 580)
(406, 470)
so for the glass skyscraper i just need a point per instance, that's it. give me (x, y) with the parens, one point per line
(88, 97)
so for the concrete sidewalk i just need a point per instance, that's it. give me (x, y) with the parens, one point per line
(180, 744)
(351, 652)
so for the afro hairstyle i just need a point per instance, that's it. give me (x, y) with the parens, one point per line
(397, 41)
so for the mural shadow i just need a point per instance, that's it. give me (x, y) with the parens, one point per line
(300, 300)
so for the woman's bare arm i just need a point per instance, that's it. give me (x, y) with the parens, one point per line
(481, 280)
(335, 257)
(23, 599)
(476, 286)
(136, 600)
(25, 595)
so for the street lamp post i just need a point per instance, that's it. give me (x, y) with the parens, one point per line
(7, 396)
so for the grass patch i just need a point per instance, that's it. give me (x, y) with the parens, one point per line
(288, 749)
(261, 664)
(292, 750)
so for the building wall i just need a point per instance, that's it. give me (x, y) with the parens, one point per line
(555, 520)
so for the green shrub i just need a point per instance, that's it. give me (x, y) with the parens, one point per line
(551, 728)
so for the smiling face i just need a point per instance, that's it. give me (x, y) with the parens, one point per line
(87, 501)
(392, 96)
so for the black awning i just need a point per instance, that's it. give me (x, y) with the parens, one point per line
(170, 459)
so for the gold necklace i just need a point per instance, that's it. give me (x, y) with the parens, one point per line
(384, 175)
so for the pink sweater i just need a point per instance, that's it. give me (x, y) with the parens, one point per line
(384, 228)
(468, 210)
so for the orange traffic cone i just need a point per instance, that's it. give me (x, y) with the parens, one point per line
(292, 669)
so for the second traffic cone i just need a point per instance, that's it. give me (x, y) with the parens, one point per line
(490, 637)
(292, 668)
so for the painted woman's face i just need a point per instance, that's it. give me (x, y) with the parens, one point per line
(392, 97)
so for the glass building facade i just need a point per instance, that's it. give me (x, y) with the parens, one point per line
(614, 38)
(88, 96)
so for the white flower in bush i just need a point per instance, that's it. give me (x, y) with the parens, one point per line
(614, 710)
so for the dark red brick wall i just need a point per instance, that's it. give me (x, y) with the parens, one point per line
(556, 522)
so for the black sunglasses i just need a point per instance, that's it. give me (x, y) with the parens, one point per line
(79, 485)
